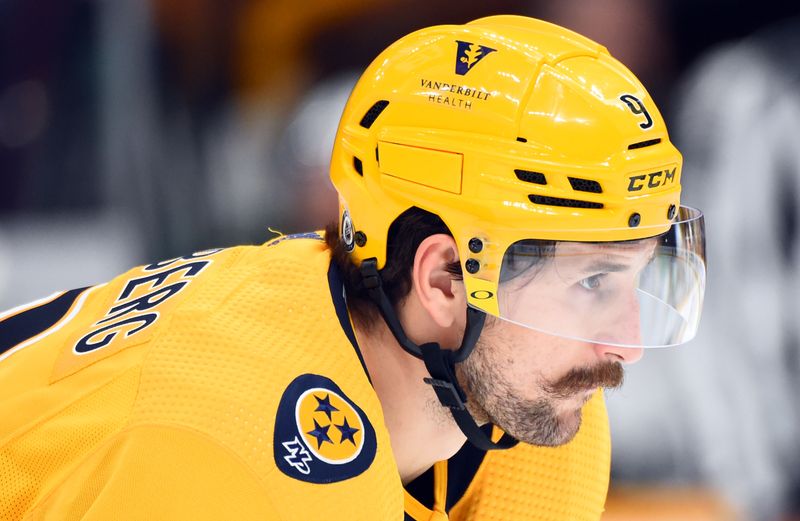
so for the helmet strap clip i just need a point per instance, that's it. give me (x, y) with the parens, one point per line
(441, 367)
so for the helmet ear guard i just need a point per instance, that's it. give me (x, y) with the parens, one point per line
(511, 129)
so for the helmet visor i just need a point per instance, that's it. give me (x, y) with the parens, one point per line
(638, 293)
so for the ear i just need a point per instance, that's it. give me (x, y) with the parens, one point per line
(438, 293)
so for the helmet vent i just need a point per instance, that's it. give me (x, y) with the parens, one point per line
(569, 203)
(358, 166)
(522, 140)
(642, 144)
(373, 113)
(585, 185)
(531, 177)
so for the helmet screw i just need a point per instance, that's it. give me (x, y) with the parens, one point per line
(671, 212)
(475, 245)
(361, 239)
(634, 220)
(472, 266)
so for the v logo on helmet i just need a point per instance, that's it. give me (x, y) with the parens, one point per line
(468, 55)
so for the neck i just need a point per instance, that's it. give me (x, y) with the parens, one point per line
(422, 431)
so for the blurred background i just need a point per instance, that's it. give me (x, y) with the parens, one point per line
(136, 130)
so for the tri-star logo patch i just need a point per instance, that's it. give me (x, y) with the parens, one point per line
(321, 435)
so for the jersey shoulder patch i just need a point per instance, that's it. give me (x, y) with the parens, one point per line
(321, 435)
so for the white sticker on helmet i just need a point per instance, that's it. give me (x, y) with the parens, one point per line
(347, 231)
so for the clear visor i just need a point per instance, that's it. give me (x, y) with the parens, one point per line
(638, 293)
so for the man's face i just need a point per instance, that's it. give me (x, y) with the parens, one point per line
(533, 384)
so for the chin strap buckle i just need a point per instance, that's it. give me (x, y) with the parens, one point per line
(447, 393)
(439, 363)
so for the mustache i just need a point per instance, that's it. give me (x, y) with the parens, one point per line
(607, 374)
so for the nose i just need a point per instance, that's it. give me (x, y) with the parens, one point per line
(626, 355)
(627, 330)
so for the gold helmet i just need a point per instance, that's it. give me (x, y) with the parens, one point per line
(516, 132)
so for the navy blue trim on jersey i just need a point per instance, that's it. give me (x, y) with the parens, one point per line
(461, 470)
(340, 304)
(29, 323)
(421, 488)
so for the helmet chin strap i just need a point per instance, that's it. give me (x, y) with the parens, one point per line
(439, 362)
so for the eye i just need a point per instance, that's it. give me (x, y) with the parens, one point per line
(593, 282)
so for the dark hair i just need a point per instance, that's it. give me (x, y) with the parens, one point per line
(525, 255)
(405, 235)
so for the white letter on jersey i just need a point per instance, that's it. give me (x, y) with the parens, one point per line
(293, 448)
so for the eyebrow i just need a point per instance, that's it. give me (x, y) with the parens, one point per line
(605, 267)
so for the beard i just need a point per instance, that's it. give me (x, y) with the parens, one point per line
(543, 421)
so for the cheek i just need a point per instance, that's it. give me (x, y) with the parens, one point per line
(521, 359)
(531, 359)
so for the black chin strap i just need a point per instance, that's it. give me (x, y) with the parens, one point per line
(439, 362)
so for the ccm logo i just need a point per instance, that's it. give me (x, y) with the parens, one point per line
(654, 180)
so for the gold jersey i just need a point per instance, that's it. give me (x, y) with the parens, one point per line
(228, 385)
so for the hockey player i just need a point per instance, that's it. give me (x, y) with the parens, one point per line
(510, 234)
